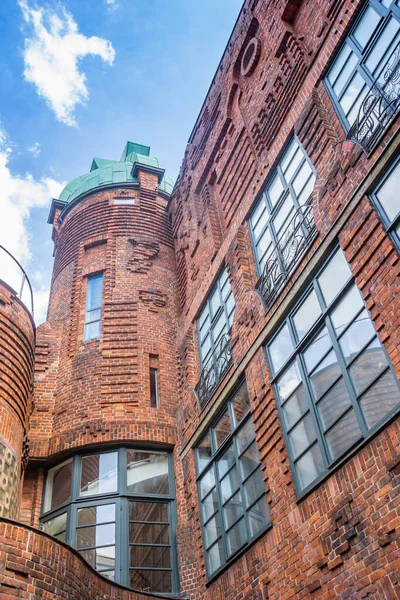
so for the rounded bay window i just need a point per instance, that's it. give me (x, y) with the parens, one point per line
(117, 509)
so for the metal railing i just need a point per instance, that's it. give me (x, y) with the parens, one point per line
(291, 245)
(214, 370)
(379, 107)
(12, 273)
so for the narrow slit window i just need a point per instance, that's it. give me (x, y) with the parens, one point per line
(154, 399)
(93, 307)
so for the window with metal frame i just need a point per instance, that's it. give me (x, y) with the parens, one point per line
(94, 300)
(363, 60)
(117, 508)
(213, 327)
(281, 223)
(386, 199)
(232, 498)
(333, 381)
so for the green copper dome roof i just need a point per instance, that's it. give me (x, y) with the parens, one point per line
(109, 172)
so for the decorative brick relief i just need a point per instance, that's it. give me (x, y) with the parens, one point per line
(142, 256)
(153, 299)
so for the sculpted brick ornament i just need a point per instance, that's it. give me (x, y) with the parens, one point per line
(153, 299)
(142, 256)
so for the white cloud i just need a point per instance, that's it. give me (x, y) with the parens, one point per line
(19, 195)
(35, 150)
(52, 54)
(112, 5)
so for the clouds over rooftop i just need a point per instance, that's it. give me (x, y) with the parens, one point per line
(52, 55)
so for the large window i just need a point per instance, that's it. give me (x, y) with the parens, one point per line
(93, 307)
(333, 381)
(386, 200)
(117, 509)
(363, 56)
(231, 489)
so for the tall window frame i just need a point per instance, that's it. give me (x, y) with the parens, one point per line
(94, 304)
(284, 198)
(385, 204)
(128, 515)
(305, 387)
(231, 490)
(355, 67)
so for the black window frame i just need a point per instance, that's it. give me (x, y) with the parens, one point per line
(272, 211)
(390, 225)
(299, 347)
(212, 464)
(361, 54)
(121, 498)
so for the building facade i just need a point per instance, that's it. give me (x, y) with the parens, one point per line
(214, 410)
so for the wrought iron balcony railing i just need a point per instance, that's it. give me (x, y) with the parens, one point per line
(12, 273)
(214, 369)
(379, 107)
(292, 244)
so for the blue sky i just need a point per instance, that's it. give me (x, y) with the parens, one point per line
(78, 79)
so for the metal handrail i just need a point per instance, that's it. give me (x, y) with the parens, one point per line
(291, 245)
(23, 280)
(214, 369)
(379, 107)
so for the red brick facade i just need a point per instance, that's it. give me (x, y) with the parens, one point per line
(160, 260)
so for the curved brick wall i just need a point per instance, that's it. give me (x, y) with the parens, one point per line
(17, 335)
(101, 391)
(36, 566)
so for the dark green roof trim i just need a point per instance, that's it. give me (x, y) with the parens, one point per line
(55, 204)
(138, 166)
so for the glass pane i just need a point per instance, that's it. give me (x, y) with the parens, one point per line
(348, 307)
(343, 434)
(210, 505)
(229, 484)
(203, 317)
(233, 510)
(307, 190)
(353, 113)
(93, 515)
(310, 466)
(240, 403)
(92, 330)
(336, 401)
(317, 349)
(95, 536)
(147, 473)
(388, 194)
(257, 212)
(100, 558)
(334, 276)
(295, 407)
(58, 485)
(274, 190)
(151, 581)
(289, 381)
(339, 63)
(377, 58)
(56, 526)
(366, 27)
(215, 556)
(302, 435)
(226, 461)
(257, 229)
(245, 435)
(254, 487)
(368, 366)
(219, 327)
(301, 178)
(212, 530)
(356, 336)
(306, 315)
(346, 72)
(94, 292)
(281, 348)
(109, 574)
(249, 460)
(204, 452)
(93, 315)
(295, 162)
(148, 511)
(150, 556)
(148, 533)
(352, 92)
(325, 374)
(215, 302)
(99, 474)
(281, 217)
(259, 515)
(207, 482)
(222, 428)
(264, 244)
(380, 399)
(236, 537)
